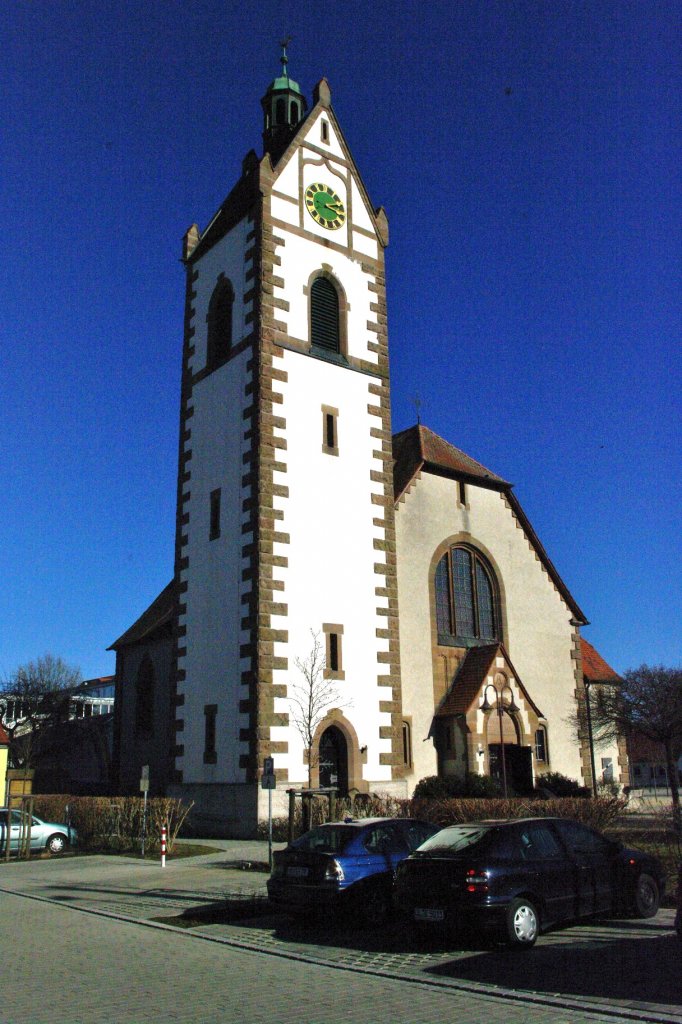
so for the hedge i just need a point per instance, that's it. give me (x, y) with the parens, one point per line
(600, 812)
(114, 823)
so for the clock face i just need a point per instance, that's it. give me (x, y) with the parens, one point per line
(324, 206)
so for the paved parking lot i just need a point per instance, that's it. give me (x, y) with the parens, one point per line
(217, 915)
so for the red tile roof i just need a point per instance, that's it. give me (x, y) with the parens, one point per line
(595, 668)
(470, 677)
(418, 446)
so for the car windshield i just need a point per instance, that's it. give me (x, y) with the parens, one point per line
(453, 839)
(325, 839)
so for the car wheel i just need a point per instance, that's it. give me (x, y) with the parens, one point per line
(523, 923)
(647, 897)
(375, 906)
(56, 843)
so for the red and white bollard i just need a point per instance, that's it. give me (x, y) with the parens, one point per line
(163, 846)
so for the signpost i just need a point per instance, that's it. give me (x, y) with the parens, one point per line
(144, 788)
(269, 782)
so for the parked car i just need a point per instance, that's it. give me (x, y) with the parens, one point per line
(518, 878)
(345, 864)
(45, 835)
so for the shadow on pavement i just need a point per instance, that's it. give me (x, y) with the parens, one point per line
(614, 966)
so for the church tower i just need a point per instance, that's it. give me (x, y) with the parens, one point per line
(285, 521)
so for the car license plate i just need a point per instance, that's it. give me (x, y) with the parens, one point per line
(296, 872)
(427, 914)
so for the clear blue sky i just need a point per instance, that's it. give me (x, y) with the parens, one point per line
(528, 156)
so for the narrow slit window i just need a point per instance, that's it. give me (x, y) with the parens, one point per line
(325, 130)
(461, 492)
(333, 652)
(214, 528)
(330, 436)
(210, 715)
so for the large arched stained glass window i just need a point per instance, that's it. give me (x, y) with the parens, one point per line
(466, 597)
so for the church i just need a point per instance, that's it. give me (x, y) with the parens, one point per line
(393, 578)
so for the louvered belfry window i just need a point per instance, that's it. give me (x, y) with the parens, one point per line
(466, 605)
(220, 324)
(324, 315)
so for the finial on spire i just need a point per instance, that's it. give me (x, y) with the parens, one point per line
(284, 59)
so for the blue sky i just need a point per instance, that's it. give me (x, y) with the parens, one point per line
(528, 156)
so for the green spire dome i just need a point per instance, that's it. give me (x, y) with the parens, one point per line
(283, 108)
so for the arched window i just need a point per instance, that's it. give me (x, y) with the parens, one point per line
(325, 322)
(466, 597)
(219, 324)
(144, 696)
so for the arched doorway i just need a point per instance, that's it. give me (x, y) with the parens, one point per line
(517, 758)
(333, 763)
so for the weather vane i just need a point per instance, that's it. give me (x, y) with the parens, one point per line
(417, 403)
(284, 59)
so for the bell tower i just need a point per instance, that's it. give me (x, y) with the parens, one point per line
(285, 531)
(284, 107)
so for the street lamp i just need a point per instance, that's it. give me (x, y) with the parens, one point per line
(500, 706)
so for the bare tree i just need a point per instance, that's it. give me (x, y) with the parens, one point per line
(35, 697)
(648, 702)
(311, 697)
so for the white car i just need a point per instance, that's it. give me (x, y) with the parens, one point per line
(45, 835)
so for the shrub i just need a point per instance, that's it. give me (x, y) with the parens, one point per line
(561, 785)
(434, 787)
(600, 813)
(114, 823)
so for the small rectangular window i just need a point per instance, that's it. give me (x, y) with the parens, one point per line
(540, 745)
(325, 130)
(210, 715)
(333, 652)
(330, 430)
(214, 529)
(461, 492)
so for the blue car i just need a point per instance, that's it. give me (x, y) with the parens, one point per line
(347, 864)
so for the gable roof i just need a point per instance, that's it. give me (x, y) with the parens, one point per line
(158, 615)
(419, 449)
(470, 677)
(594, 667)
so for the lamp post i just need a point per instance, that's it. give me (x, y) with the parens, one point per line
(500, 706)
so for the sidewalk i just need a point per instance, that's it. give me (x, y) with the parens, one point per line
(142, 889)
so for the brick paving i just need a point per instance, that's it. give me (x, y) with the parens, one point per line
(216, 969)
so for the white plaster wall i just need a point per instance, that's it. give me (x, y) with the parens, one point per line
(539, 640)
(330, 574)
(214, 596)
(212, 620)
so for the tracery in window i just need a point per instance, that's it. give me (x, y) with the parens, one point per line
(466, 597)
